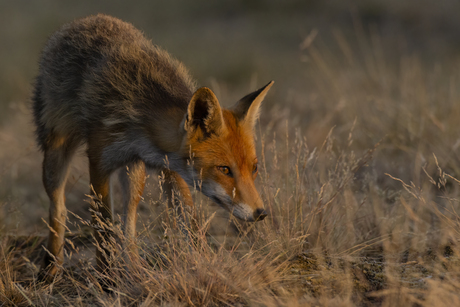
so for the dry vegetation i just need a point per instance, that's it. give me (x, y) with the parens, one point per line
(360, 176)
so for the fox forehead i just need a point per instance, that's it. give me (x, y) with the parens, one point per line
(234, 146)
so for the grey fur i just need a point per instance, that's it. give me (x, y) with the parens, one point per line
(100, 71)
(101, 82)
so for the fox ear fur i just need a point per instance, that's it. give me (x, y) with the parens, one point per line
(247, 109)
(204, 112)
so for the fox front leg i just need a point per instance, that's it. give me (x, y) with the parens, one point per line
(178, 195)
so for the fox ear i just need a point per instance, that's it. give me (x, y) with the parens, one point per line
(204, 112)
(247, 109)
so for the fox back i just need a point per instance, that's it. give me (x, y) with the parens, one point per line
(101, 82)
(102, 72)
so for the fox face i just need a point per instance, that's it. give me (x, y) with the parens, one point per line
(221, 142)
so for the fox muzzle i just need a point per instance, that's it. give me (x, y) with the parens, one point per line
(260, 214)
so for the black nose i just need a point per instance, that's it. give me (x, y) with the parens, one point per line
(260, 214)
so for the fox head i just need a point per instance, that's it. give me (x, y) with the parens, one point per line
(221, 142)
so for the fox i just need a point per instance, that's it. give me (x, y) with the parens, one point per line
(102, 84)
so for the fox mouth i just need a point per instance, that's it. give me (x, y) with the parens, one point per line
(234, 211)
(219, 202)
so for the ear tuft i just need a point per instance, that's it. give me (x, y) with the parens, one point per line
(204, 113)
(247, 109)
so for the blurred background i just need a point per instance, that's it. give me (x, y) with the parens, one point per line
(235, 43)
(335, 63)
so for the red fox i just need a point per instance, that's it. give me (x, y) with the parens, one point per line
(103, 84)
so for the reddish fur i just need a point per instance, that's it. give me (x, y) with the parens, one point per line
(233, 147)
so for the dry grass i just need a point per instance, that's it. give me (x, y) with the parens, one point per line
(360, 177)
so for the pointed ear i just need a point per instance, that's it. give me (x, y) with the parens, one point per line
(247, 109)
(204, 113)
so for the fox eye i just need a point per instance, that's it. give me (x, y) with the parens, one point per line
(254, 169)
(225, 170)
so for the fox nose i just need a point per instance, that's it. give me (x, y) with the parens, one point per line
(260, 214)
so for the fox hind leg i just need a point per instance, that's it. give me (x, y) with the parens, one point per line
(102, 215)
(132, 179)
(58, 152)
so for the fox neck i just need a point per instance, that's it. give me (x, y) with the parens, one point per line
(168, 139)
